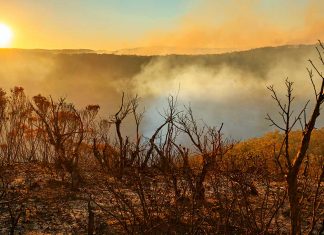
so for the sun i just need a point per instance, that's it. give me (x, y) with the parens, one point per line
(5, 35)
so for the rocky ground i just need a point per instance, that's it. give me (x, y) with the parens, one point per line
(37, 201)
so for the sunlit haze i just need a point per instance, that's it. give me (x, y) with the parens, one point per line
(5, 35)
(187, 24)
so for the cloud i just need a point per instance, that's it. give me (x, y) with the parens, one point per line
(244, 24)
(229, 92)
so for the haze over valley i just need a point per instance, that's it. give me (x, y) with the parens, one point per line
(227, 88)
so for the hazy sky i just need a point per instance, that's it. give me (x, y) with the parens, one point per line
(116, 24)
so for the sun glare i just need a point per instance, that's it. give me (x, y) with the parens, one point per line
(5, 35)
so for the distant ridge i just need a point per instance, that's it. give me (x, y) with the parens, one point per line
(154, 51)
(172, 51)
(162, 51)
(53, 51)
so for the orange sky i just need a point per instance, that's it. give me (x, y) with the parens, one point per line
(112, 25)
(248, 25)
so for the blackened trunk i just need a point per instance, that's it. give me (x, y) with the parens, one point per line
(294, 204)
(90, 220)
